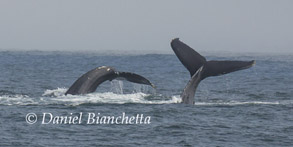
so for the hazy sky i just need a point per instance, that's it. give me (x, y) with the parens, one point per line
(149, 25)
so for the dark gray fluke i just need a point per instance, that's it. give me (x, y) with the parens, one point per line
(89, 82)
(193, 61)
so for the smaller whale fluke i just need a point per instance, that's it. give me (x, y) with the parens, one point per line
(89, 82)
(135, 78)
(199, 68)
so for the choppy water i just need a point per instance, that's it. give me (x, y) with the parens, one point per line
(252, 107)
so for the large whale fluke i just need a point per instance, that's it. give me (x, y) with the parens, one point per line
(216, 68)
(89, 82)
(199, 68)
(191, 59)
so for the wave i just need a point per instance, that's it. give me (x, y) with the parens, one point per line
(57, 96)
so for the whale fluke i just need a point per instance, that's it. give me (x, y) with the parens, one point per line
(198, 66)
(89, 82)
(191, 59)
(135, 78)
(216, 68)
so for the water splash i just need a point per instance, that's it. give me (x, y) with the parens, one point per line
(57, 96)
(143, 88)
(117, 86)
(54, 92)
(106, 97)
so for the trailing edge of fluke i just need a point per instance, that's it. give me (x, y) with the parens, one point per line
(199, 68)
(89, 81)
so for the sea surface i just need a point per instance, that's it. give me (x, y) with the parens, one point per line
(252, 107)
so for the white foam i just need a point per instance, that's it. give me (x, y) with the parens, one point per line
(234, 103)
(110, 98)
(16, 99)
(55, 92)
(57, 96)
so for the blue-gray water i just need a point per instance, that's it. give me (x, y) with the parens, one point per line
(252, 107)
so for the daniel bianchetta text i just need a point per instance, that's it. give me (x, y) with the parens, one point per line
(94, 118)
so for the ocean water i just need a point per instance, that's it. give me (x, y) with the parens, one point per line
(252, 107)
